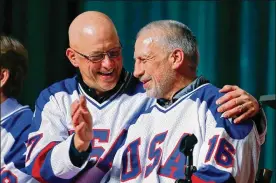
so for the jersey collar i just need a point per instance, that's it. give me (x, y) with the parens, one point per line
(192, 86)
(8, 106)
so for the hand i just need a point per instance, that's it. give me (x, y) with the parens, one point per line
(82, 122)
(237, 103)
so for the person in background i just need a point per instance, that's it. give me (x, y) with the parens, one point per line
(15, 118)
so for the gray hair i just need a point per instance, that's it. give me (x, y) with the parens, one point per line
(176, 35)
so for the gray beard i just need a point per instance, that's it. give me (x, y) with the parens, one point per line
(159, 91)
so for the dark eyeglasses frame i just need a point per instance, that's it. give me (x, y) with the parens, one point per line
(103, 53)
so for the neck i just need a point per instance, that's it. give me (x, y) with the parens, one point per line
(89, 85)
(180, 83)
(3, 98)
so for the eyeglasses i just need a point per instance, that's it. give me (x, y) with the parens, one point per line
(113, 53)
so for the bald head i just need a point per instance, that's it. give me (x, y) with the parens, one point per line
(92, 34)
(90, 25)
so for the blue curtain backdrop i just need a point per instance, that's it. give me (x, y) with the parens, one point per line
(236, 42)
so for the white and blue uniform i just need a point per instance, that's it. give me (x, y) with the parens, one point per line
(225, 151)
(15, 127)
(48, 157)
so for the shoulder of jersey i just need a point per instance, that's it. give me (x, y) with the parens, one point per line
(19, 119)
(209, 94)
(68, 85)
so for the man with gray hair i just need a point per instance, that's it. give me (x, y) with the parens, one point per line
(166, 58)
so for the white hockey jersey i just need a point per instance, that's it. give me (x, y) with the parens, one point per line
(15, 126)
(48, 147)
(151, 153)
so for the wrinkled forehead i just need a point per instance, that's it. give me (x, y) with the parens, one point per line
(149, 37)
(145, 45)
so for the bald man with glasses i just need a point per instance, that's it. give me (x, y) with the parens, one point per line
(80, 123)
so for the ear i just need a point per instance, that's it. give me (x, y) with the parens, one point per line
(71, 55)
(177, 58)
(5, 74)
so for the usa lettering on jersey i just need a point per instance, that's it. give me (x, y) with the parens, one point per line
(224, 150)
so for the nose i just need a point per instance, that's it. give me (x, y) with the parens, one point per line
(107, 62)
(138, 69)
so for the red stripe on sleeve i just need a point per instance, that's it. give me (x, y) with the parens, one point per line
(198, 180)
(39, 162)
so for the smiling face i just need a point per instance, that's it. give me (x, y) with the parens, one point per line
(152, 65)
(103, 75)
(93, 34)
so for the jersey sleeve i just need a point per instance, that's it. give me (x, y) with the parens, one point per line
(48, 146)
(261, 124)
(230, 152)
(13, 168)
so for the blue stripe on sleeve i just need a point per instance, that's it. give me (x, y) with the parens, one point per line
(210, 94)
(18, 125)
(211, 174)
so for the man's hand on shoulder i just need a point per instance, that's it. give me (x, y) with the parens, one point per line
(237, 103)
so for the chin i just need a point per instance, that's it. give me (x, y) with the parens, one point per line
(152, 93)
(109, 86)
